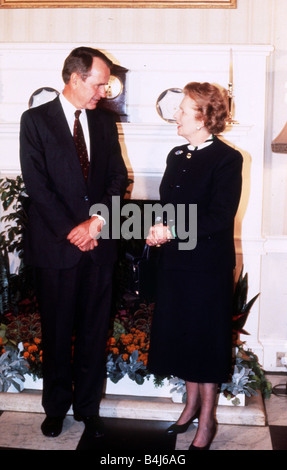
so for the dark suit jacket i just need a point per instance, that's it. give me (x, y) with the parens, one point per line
(211, 179)
(60, 198)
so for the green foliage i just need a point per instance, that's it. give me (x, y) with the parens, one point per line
(241, 381)
(12, 370)
(14, 287)
(118, 368)
(15, 202)
(248, 359)
(241, 307)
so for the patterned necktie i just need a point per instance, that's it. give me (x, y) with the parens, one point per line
(81, 144)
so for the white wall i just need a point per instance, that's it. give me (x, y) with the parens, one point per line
(253, 22)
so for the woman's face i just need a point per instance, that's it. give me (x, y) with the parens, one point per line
(187, 123)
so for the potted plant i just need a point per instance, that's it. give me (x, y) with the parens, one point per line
(12, 370)
(19, 316)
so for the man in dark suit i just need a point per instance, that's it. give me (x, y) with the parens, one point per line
(73, 266)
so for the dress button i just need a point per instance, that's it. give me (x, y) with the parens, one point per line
(86, 198)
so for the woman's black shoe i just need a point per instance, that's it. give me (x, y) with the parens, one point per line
(181, 428)
(192, 447)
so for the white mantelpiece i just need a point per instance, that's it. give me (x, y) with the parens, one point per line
(147, 139)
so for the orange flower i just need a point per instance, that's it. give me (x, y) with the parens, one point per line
(26, 355)
(131, 348)
(143, 358)
(125, 357)
(115, 351)
(37, 340)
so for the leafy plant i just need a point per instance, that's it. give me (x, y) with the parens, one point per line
(23, 328)
(245, 358)
(240, 382)
(12, 370)
(14, 286)
(15, 202)
(118, 368)
(241, 308)
(259, 381)
(178, 387)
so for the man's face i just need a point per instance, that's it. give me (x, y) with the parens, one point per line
(87, 93)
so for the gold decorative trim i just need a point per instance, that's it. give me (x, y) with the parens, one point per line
(118, 4)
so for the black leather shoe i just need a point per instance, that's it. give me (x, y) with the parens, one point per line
(193, 447)
(52, 426)
(93, 425)
(181, 428)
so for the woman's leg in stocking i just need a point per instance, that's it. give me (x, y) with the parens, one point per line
(192, 402)
(207, 423)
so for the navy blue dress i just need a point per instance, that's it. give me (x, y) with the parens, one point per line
(191, 335)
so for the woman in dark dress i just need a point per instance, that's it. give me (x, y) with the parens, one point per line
(191, 334)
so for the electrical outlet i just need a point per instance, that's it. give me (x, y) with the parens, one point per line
(279, 356)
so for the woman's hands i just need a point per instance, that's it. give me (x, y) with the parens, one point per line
(158, 235)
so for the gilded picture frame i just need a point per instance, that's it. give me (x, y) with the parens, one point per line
(118, 4)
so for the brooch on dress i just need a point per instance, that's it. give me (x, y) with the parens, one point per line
(178, 152)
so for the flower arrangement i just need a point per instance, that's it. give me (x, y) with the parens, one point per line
(128, 343)
(22, 334)
(32, 352)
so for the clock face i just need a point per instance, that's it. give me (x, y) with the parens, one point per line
(168, 103)
(41, 96)
(114, 87)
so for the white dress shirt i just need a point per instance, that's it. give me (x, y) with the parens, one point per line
(69, 111)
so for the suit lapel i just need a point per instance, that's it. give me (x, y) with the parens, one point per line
(97, 142)
(63, 134)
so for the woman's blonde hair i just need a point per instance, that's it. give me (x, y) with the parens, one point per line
(212, 104)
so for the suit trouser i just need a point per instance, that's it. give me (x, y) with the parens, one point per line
(74, 303)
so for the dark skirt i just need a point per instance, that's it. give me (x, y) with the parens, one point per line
(191, 335)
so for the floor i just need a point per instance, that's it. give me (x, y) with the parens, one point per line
(21, 431)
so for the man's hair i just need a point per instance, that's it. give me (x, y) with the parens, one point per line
(80, 61)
